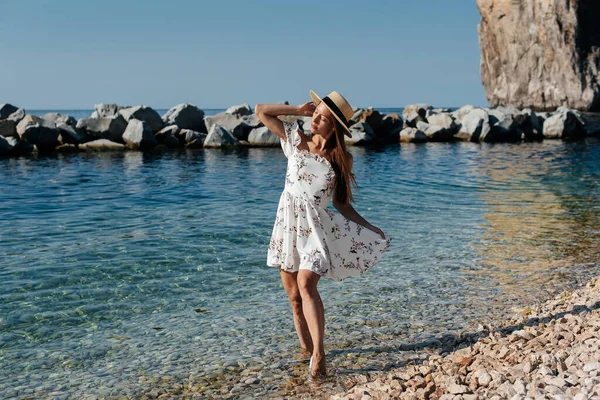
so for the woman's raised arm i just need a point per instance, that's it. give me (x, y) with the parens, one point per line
(268, 113)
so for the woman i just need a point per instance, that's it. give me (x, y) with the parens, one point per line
(309, 241)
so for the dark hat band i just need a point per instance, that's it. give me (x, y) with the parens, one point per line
(333, 107)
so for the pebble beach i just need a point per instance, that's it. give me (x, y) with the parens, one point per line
(547, 351)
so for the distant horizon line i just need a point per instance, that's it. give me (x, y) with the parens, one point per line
(220, 108)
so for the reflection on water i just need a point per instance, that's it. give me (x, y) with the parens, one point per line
(121, 268)
(541, 210)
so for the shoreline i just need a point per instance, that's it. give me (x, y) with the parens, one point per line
(533, 354)
(545, 351)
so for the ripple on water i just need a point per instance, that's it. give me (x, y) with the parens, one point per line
(120, 269)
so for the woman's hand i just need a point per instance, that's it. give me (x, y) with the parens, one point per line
(307, 109)
(377, 230)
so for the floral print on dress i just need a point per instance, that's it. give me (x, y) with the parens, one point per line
(307, 235)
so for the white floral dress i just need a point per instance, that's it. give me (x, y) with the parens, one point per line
(306, 234)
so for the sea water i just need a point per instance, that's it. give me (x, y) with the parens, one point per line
(119, 269)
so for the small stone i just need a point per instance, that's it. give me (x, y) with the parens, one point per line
(519, 386)
(544, 370)
(504, 351)
(485, 379)
(523, 334)
(458, 389)
(591, 366)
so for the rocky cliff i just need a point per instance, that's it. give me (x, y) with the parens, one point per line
(541, 53)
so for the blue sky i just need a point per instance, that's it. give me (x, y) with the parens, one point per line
(75, 53)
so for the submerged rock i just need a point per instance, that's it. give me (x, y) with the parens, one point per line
(101, 144)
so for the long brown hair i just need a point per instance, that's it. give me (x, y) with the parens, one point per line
(342, 166)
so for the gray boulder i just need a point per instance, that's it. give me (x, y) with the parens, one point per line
(11, 146)
(391, 125)
(532, 125)
(70, 135)
(441, 127)
(106, 110)
(356, 116)
(143, 113)
(17, 116)
(139, 135)
(563, 124)
(263, 137)
(239, 126)
(193, 139)
(169, 136)
(442, 119)
(459, 114)
(414, 113)
(303, 123)
(5, 147)
(422, 126)
(504, 127)
(474, 125)
(60, 119)
(101, 145)
(220, 137)
(110, 128)
(185, 116)
(6, 110)
(373, 118)
(67, 148)
(362, 134)
(240, 110)
(434, 111)
(8, 128)
(591, 123)
(39, 132)
(412, 135)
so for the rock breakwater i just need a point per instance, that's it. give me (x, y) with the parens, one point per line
(117, 128)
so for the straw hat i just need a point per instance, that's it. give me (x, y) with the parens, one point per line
(339, 107)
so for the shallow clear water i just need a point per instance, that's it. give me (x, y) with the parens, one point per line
(118, 267)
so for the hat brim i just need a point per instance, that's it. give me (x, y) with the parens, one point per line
(317, 100)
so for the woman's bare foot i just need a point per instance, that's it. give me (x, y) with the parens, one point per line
(319, 367)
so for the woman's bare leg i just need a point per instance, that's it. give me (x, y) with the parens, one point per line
(314, 311)
(290, 285)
